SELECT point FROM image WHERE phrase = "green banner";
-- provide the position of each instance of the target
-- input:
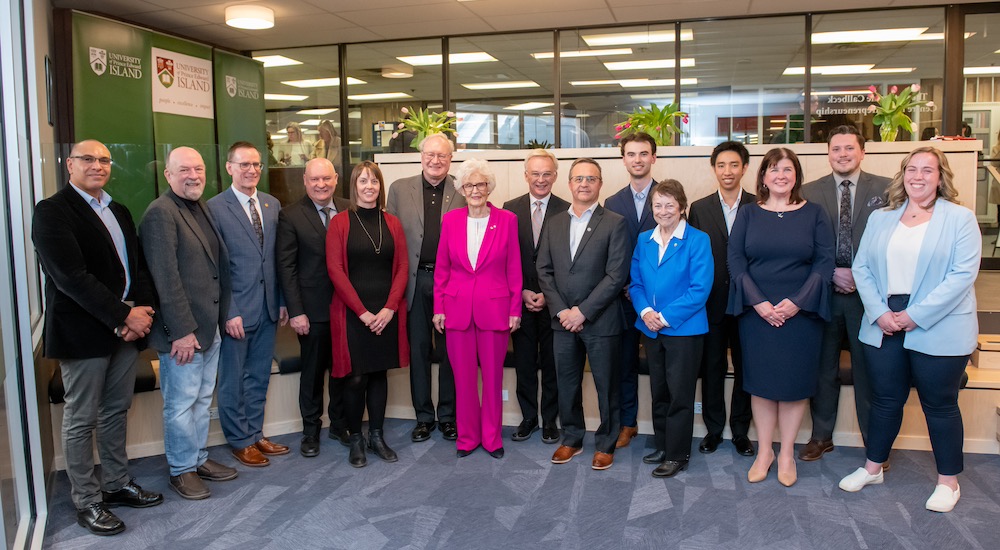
(239, 107)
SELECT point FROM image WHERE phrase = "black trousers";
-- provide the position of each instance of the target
(533, 353)
(673, 377)
(722, 337)
(572, 350)
(316, 357)
(846, 311)
(422, 338)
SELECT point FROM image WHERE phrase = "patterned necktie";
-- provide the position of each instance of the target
(326, 215)
(255, 220)
(844, 230)
(536, 221)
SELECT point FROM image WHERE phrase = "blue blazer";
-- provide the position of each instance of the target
(676, 286)
(943, 300)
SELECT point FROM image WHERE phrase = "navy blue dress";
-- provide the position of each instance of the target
(773, 257)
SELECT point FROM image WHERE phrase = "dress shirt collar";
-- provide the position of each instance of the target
(677, 234)
(586, 213)
(320, 207)
(104, 201)
(853, 178)
(243, 197)
(545, 201)
(644, 192)
(739, 200)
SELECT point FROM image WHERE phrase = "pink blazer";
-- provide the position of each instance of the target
(488, 295)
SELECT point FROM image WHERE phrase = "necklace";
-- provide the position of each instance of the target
(377, 247)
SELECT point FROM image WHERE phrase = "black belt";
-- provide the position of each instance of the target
(426, 267)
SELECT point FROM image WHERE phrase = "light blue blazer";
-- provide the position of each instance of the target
(676, 286)
(943, 300)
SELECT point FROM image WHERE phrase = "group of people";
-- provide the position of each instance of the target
(430, 271)
(297, 151)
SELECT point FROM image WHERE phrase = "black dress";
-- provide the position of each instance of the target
(371, 275)
(773, 257)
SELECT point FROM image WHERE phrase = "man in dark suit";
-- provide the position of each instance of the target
(190, 268)
(301, 256)
(533, 342)
(420, 202)
(715, 215)
(247, 220)
(583, 262)
(97, 294)
(848, 213)
(633, 203)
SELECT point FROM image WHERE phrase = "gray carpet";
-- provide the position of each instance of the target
(432, 499)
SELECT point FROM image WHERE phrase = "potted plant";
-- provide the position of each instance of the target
(890, 109)
(423, 123)
(657, 122)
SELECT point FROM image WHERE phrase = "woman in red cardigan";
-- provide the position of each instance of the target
(366, 259)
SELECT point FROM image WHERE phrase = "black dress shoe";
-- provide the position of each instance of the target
(550, 434)
(497, 453)
(376, 444)
(669, 468)
(422, 432)
(310, 446)
(133, 496)
(449, 431)
(462, 453)
(524, 430)
(99, 520)
(655, 457)
(357, 456)
(341, 435)
(709, 444)
(743, 445)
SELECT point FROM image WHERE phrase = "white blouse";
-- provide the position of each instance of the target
(901, 257)
(475, 232)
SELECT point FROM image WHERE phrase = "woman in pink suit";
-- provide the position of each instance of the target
(477, 299)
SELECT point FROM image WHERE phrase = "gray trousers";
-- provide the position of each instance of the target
(98, 396)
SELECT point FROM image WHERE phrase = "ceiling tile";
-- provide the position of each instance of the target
(441, 15)
(571, 18)
(118, 7)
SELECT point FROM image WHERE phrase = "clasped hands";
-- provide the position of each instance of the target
(776, 315)
(137, 324)
(894, 321)
(572, 319)
(377, 322)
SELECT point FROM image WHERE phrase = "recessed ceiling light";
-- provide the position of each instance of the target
(276, 61)
(832, 70)
(583, 53)
(501, 85)
(285, 97)
(635, 82)
(372, 97)
(982, 70)
(317, 112)
(252, 17)
(529, 106)
(453, 59)
(648, 64)
(650, 37)
(397, 71)
(321, 82)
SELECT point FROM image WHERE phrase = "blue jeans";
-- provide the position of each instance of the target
(187, 393)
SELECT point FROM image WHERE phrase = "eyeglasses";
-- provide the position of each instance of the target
(91, 159)
(588, 179)
(542, 175)
(481, 186)
(438, 156)
(247, 165)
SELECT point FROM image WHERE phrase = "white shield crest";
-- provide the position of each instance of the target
(98, 60)
(231, 85)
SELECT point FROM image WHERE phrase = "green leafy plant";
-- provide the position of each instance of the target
(535, 144)
(890, 109)
(424, 123)
(657, 122)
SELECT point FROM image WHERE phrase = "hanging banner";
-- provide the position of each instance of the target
(183, 84)
(239, 106)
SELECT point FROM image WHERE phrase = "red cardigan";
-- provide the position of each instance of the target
(345, 297)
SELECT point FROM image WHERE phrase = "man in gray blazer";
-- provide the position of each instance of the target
(848, 213)
(583, 263)
(419, 202)
(190, 269)
(247, 220)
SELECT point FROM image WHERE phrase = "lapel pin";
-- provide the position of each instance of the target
(493, 227)
(588, 230)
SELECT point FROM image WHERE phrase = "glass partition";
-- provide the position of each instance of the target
(981, 115)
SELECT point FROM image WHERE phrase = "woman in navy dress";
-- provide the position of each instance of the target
(781, 263)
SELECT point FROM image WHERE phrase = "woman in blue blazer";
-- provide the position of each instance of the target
(915, 270)
(672, 273)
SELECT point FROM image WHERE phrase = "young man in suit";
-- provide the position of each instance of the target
(633, 203)
(848, 213)
(247, 220)
(301, 256)
(420, 202)
(715, 215)
(533, 342)
(97, 296)
(583, 263)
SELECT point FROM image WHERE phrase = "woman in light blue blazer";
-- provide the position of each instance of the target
(915, 270)
(672, 273)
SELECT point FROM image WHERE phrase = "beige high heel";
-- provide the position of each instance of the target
(788, 478)
(756, 475)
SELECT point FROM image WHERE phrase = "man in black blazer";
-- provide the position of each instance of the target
(715, 215)
(533, 342)
(98, 297)
(846, 150)
(301, 256)
(583, 263)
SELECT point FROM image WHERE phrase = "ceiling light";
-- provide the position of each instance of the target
(285, 97)
(871, 35)
(309, 122)
(842, 92)
(276, 61)
(531, 105)
(648, 64)
(397, 71)
(453, 59)
(635, 82)
(649, 37)
(831, 70)
(939, 36)
(501, 85)
(982, 70)
(251, 17)
(317, 112)
(582, 115)
(321, 82)
(371, 97)
(583, 53)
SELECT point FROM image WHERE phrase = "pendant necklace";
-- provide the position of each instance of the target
(377, 247)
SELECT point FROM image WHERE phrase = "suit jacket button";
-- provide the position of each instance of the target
(215, 301)
(262, 281)
(215, 277)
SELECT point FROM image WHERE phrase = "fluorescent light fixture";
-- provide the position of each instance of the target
(648, 64)
(453, 59)
(309, 122)
(316, 112)
(252, 17)
(372, 97)
(840, 92)
(582, 115)
(501, 85)
(635, 82)
(285, 97)
(529, 106)
(649, 37)
(871, 35)
(583, 53)
(831, 70)
(982, 70)
(356, 114)
(276, 61)
(321, 82)
(940, 36)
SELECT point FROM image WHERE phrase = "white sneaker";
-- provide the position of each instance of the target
(856, 480)
(943, 499)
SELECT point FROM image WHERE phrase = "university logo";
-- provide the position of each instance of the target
(98, 60)
(165, 71)
(231, 85)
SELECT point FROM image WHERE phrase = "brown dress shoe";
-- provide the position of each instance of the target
(213, 471)
(814, 449)
(188, 485)
(271, 448)
(564, 454)
(250, 456)
(602, 461)
(626, 435)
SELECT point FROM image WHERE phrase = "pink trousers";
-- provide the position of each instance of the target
(479, 421)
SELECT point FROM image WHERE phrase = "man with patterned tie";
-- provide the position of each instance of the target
(849, 196)
(247, 220)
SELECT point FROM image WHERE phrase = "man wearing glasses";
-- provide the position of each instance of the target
(97, 294)
(533, 342)
(419, 202)
(247, 220)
